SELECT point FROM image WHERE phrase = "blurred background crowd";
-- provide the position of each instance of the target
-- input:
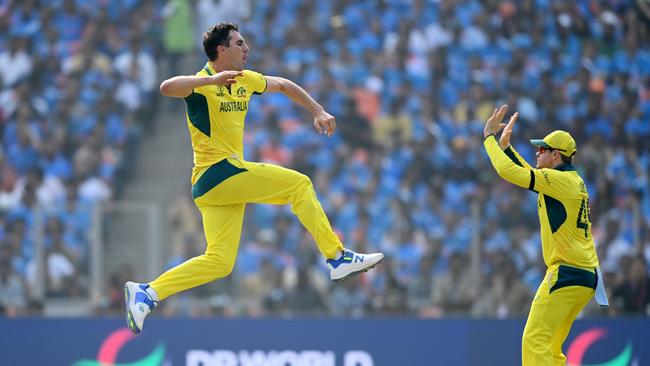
(411, 84)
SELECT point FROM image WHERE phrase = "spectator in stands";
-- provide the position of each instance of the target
(632, 296)
(116, 294)
(354, 124)
(455, 291)
(419, 289)
(13, 292)
(15, 61)
(503, 293)
(304, 298)
(349, 300)
(61, 276)
(178, 36)
(613, 245)
(394, 123)
(392, 297)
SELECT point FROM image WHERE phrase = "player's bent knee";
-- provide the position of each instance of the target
(219, 273)
(535, 342)
(304, 181)
(220, 267)
(228, 268)
(302, 186)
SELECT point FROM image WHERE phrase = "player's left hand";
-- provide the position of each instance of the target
(504, 141)
(324, 123)
(493, 124)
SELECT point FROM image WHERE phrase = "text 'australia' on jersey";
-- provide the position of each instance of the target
(216, 114)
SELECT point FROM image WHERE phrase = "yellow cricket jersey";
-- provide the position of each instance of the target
(215, 118)
(562, 205)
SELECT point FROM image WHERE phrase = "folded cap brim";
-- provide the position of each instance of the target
(540, 143)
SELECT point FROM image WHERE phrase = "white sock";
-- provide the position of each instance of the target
(153, 294)
(339, 254)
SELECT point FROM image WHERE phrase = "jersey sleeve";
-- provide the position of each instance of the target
(511, 167)
(200, 89)
(198, 92)
(256, 81)
(552, 183)
(507, 165)
(516, 158)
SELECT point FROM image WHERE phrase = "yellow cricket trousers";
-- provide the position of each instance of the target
(559, 299)
(221, 193)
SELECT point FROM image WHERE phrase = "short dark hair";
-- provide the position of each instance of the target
(218, 35)
(566, 159)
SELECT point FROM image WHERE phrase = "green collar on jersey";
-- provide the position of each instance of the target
(207, 68)
(565, 167)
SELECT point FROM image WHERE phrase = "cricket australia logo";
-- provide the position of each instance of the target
(241, 92)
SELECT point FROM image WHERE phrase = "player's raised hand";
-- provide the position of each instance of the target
(493, 124)
(225, 77)
(324, 122)
(504, 141)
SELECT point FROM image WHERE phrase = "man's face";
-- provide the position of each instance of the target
(237, 51)
(546, 157)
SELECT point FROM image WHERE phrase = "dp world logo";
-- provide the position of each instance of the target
(111, 346)
(585, 340)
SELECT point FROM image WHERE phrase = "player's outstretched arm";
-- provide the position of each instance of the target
(506, 167)
(323, 121)
(493, 124)
(182, 86)
(504, 143)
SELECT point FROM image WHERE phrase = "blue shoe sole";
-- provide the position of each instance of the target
(129, 317)
(357, 272)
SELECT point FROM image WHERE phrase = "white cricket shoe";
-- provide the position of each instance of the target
(138, 305)
(352, 263)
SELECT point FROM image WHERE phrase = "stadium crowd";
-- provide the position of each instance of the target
(411, 84)
(77, 87)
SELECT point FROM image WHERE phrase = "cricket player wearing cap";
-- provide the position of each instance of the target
(573, 276)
